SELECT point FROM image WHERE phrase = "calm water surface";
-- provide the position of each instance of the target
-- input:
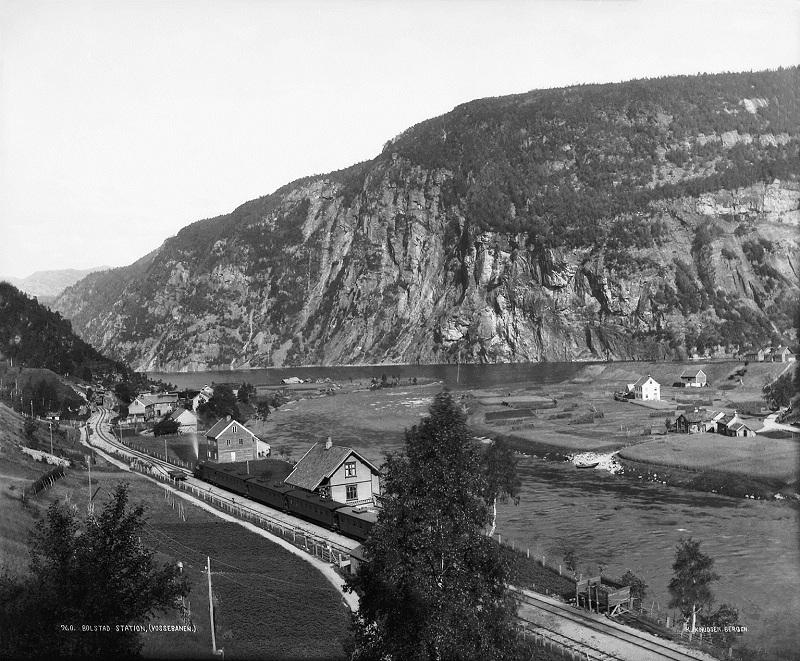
(472, 376)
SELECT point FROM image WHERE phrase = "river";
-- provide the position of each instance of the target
(629, 524)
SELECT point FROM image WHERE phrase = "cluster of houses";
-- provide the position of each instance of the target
(778, 354)
(149, 407)
(727, 424)
(699, 420)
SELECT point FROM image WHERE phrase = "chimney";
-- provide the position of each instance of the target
(227, 418)
(328, 443)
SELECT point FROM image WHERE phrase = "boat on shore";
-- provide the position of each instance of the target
(585, 463)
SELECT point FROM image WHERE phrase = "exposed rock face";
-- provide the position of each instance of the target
(387, 262)
(399, 283)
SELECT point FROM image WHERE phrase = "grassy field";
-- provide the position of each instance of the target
(753, 456)
(371, 421)
(587, 418)
(264, 594)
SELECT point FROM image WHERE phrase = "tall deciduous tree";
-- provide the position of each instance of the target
(95, 572)
(435, 586)
(690, 587)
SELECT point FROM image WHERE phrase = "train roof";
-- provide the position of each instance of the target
(270, 482)
(370, 514)
(314, 499)
(271, 469)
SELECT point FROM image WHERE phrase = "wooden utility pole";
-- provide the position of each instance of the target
(211, 607)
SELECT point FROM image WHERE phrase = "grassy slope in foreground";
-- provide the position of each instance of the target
(262, 592)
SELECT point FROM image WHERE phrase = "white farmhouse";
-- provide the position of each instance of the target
(647, 388)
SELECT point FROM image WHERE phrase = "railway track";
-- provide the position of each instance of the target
(163, 466)
(642, 642)
(280, 519)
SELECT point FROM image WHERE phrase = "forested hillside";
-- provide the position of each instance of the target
(34, 337)
(645, 219)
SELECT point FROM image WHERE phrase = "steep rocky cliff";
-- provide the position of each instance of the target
(642, 219)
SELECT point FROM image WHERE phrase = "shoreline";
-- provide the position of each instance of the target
(725, 483)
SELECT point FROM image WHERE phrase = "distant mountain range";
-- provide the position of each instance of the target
(646, 219)
(49, 284)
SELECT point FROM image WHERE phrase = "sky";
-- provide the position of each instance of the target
(123, 121)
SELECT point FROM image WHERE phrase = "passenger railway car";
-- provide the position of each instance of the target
(264, 484)
(269, 492)
(356, 522)
(310, 506)
(232, 479)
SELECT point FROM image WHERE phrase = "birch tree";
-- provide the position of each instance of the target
(690, 587)
(435, 586)
(502, 480)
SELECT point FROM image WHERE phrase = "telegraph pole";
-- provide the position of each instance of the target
(211, 607)
(50, 424)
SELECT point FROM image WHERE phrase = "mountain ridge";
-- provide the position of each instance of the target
(642, 219)
(50, 283)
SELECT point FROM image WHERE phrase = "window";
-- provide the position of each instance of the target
(234, 429)
(228, 441)
(352, 492)
(241, 442)
(350, 469)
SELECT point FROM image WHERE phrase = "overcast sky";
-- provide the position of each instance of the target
(123, 121)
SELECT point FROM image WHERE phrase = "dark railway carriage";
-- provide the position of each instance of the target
(232, 479)
(269, 492)
(312, 507)
(356, 522)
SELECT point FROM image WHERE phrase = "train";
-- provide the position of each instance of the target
(267, 487)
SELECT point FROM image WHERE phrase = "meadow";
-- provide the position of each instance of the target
(753, 456)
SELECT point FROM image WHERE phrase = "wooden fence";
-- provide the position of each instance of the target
(315, 545)
(43, 482)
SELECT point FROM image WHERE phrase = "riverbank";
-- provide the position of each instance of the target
(580, 415)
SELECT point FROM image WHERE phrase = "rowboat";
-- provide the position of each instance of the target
(583, 463)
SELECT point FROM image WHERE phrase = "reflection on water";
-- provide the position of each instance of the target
(626, 524)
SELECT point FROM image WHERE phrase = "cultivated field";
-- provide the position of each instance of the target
(752, 456)
(372, 421)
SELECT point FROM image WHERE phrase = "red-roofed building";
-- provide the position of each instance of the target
(336, 472)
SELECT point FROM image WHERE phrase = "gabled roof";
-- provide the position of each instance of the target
(178, 412)
(686, 374)
(644, 379)
(222, 425)
(736, 426)
(320, 463)
(698, 416)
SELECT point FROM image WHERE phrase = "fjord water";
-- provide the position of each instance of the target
(624, 523)
(472, 376)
